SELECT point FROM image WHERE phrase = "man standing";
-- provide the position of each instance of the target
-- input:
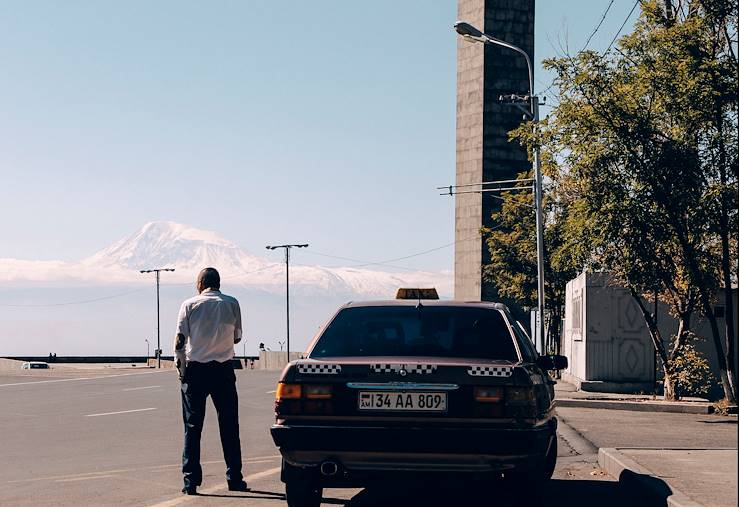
(208, 326)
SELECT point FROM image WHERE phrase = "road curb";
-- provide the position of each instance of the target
(639, 406)
(639, 482)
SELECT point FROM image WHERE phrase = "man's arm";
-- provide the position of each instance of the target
(179, 342)
(183, 331)
(238, 331)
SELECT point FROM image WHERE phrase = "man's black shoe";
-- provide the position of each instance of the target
(238, 486)
(190, 490)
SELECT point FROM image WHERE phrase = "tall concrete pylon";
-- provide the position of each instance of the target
(484, 72)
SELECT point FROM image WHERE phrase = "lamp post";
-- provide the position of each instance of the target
(287, 249)
(159, 346)
(147, 351)
(471, 33)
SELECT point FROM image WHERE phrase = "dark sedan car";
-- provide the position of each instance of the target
(409, 389)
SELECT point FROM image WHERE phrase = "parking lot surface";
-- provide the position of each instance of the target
(114, 437)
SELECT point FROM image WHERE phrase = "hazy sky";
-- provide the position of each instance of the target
(329, 122)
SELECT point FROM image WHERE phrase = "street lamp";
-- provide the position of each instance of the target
(159, 346)
(473, 34)
(287, 285)
(147, 351)
(280, 344)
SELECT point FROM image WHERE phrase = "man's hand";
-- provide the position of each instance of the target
(179, 352)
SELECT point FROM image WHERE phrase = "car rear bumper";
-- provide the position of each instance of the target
(357, 450)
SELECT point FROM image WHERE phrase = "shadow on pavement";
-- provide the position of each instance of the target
(253, 494)
(720, 421)
(570, 493)
(646, 487)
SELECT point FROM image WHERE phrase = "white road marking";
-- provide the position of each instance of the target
(103, 377)
(254, 460)
(122, 412)
(45, 381)
(216, 489)
(271, 392)
(84, 478)
(140, 388)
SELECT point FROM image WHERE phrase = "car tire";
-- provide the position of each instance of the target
(545, 470)
(536, 476)
(301, 493)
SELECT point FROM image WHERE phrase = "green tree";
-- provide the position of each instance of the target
(512, 246)
(645, 141)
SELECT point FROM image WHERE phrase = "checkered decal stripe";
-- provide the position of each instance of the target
(386, 368)
(319, 369)
(490, 371)
(422, 369)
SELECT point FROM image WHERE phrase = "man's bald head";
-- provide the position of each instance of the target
(209, 278)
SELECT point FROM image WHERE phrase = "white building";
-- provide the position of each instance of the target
(607, 342)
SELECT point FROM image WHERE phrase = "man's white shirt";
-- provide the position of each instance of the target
(211, 323)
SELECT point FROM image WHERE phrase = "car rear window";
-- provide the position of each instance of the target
(434, 331)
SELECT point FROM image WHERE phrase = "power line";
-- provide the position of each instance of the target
(363, 263)
(360, 261)
(590, 37)
(622, 26)
(68, 303)
(603, 18)
(385, 262)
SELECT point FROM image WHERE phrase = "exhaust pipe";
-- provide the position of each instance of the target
(329, 468)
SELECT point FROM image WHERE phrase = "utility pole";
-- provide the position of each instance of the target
(287, 285)
(473, 34)
(159, 343)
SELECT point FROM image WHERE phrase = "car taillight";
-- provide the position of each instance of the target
(309, 399)
(288, 391)
(317, 392)
(520, 402)
(488, 394)
(488, 401)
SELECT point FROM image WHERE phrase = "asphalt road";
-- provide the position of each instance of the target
(114, 438)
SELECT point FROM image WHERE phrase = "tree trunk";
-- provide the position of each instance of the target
(728, 377)
(725, 232)
(698, 278)
(671, 393)
(658, 345)
(728, 302)
(555, 327)
(726, 380)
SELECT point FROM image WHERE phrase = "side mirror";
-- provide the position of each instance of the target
(552, 362)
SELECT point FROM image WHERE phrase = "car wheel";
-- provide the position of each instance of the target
(546, 468)
(302, 493)
(535, 479)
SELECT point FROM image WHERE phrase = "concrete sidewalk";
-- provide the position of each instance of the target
(675, 477)
(568, 395)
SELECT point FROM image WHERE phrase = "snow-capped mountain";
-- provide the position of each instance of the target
(102, 305)
(174, 245)
(187, 249)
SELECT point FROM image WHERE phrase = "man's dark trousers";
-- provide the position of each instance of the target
(217, 380)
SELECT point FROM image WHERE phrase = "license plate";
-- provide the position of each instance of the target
(423, 401)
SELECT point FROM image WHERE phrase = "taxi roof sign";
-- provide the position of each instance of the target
(406, 293)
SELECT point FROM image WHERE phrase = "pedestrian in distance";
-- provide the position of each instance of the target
(208, 327)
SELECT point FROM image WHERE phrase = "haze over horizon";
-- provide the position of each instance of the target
(66, 307)
(117, 114)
